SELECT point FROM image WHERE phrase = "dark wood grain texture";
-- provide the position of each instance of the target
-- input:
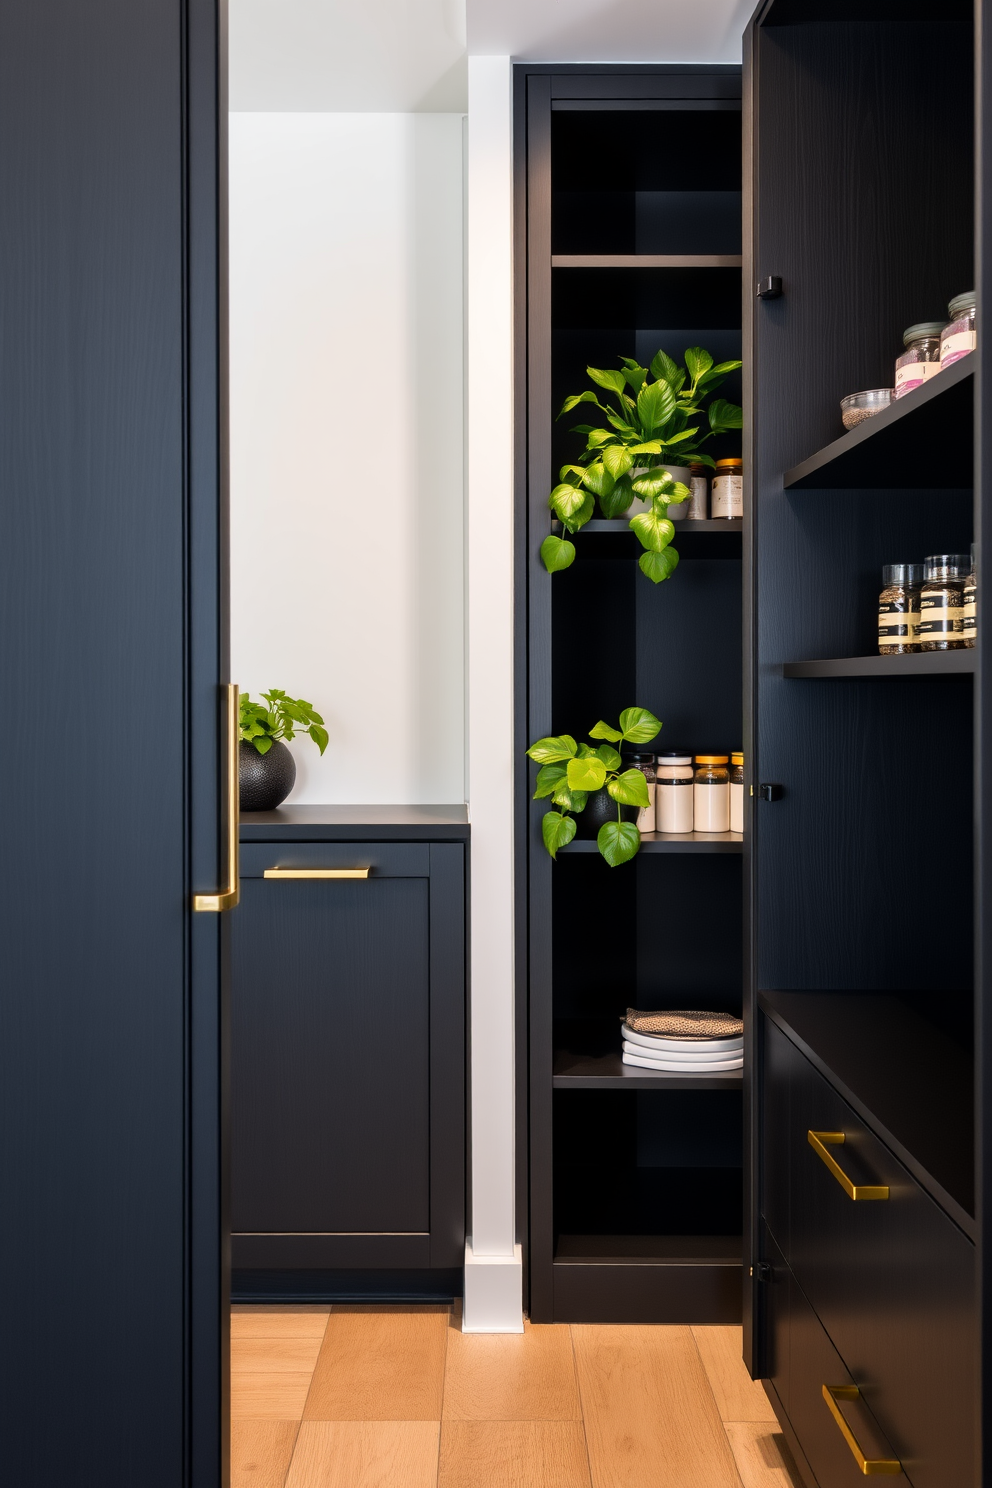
(365, 823)
(916, 664)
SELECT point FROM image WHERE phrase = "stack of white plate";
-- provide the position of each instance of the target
(683, 1056)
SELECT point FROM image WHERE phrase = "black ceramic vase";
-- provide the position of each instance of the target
(264, 780)
(600, 808)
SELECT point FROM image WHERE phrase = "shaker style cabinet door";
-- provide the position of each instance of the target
(337, 1014)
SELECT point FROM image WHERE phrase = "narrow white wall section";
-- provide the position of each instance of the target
(493, 1269)
(347, 451)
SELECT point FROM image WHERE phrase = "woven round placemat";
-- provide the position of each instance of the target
(684, 1023)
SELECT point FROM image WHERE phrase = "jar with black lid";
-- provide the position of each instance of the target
(942, 602)
(899, 608)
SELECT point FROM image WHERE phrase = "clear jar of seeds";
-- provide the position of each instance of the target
(899, 608)
(958, 336)
(942, 602)
(921, 359)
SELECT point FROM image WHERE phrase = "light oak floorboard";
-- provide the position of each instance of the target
(278, 1396)
(513, 1454)
(738, 1396)
(269, 1355)
(651, 1420)
(380, 1364)
(251, 1321)
(528, 1376)
(260, 1453)
(762, 1455)
(365, 1454)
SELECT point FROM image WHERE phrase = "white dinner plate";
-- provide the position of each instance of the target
(683, 1046)
(683, 1069)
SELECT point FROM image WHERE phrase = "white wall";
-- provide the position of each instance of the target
(347, 482)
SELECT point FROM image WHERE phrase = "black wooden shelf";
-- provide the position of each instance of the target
(619, 526)
(916, 664)
(672, 842)
(442, 823)
(608, 1072)
(648, 1250)
(922, 441)
(646, 261)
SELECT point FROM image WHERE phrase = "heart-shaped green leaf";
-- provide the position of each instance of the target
(597, 479)
(586, 774)
(654, 482)
(570, 800)
(653, 531)
(655, 405)
(698, 361)
(618, 842)
(630, 789)
(658, 566)
(609, 756)
(573, 402)
(604, 731)
(549, 777)
(616, 501)
(615, 382)
(617, 460)
(565, 501)
(552, 749)
(557, 830)
(639, 725)
(557, 553)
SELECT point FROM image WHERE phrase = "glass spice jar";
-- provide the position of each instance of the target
(899, 608)
(942, 602)
(711, 793)
(673, 792)
(969, 609)
(737, 791)
(698, 505)
(727, 494)
(644, 763)
(959, 335)
(921, 359)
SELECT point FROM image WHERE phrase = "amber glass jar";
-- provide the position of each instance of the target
(727, 490)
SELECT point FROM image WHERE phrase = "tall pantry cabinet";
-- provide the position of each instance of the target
(866, 972)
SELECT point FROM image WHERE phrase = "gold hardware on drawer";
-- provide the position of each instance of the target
(316, 873)
(872, 1467)
(820, 1141)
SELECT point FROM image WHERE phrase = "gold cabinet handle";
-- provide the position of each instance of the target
(820, 1141)
(316, 873)
(228, 898)
(872, 1467)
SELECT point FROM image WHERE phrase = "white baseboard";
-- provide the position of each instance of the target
(493, 1292)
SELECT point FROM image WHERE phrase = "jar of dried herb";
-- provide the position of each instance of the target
(921, 359)
(942, 602)
(969, 616)
(899, 608)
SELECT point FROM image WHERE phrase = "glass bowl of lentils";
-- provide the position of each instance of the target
(857, 407)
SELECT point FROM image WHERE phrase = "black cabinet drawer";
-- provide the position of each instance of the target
(892, 1279)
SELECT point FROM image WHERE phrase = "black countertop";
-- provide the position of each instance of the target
(356, 823)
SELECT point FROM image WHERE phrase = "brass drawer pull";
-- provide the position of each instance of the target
(820, 1141)
(316, 873)
(872, 1467)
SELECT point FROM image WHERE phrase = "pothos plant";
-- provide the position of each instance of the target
(570, 771)
(650, 425)
(279, 717)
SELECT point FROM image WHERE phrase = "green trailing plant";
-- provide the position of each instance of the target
(279, 717)
(648, 424)
(569, 772)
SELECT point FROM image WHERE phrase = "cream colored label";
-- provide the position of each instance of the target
(736, 807)
(728, 496)
(711, 806)
(673, 806)
(696, 506)
(645, 817)
(956, 346)
(897, 625)
(914, 372)
(968, 616)
(940, 619)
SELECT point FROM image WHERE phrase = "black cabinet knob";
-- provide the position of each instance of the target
(770, 288)
(771, 792)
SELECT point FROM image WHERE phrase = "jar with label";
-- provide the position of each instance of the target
(958, 336)
(969, 610)
(899, 608)
(644, 763)
(737, 791)
(698, 505)
(942, 602)
(727, 497)
(673, 792)
(921, 359)
(711, 793)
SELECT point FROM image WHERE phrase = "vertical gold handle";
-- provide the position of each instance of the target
(228, 898)
(819, 1141)
(871, 1467)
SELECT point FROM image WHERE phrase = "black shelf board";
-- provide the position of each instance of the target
(619, 526)
(646, 261)
(921, 441)
(608, 1072)
(356, 823)
(907, 1080)
(669, 842)
(916, 664)
(649, 1250)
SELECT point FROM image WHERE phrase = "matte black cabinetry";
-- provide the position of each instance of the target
(348, 1062)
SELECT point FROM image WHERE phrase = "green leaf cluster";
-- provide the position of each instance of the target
(647, 425)
(279, 717)
(569, 772)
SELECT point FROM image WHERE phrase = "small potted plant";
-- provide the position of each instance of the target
(633, 458)
(266, 768)
(578, 777)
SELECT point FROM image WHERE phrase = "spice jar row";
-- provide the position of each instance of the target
(686, 793)
(723, 498)
(931, 606)
(930, 346)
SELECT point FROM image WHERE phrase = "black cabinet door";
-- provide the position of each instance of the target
(345, 1028)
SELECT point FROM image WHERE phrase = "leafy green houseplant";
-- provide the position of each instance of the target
(570, 772)
(267, 770)
(649, 425)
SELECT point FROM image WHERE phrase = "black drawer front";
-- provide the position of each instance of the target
(382, 859)
(892, 1280)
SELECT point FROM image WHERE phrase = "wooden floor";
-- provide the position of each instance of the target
(399, 1397)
